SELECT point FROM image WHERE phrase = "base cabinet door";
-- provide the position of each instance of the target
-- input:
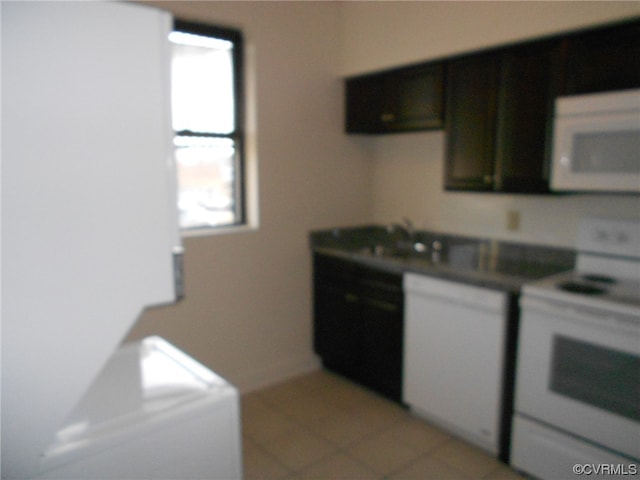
(359, 324)
(382, 339)
(337, 332)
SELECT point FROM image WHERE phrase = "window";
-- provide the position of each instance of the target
(207, 93)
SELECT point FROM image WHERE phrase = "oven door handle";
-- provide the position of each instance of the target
(596, 317)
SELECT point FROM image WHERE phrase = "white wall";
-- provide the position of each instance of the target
(247, 312)
(408, 183)
(381, 34)
(408, 168)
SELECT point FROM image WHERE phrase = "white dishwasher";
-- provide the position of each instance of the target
(453, 356)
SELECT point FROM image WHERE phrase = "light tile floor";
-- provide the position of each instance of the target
(323, 427)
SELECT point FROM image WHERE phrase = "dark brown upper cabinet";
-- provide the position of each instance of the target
(471, 86)
(500, 104)
(402, 100)
(530, 80)
(603, 59)
(499, 107)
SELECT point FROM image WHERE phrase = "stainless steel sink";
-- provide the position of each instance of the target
(398, 250)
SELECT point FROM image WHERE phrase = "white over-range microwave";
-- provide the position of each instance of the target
(596, 144)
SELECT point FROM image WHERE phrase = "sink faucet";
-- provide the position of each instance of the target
(406, 228)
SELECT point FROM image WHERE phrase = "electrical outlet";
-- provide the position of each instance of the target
(513, 220)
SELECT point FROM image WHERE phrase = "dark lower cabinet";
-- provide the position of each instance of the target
(338, 336)
(359, 323)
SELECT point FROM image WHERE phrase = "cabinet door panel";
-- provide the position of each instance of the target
(401, 100)
(529, 82)
(382, 337)
(416, 96)
(364, 104)
(359, 323)
(605, 59)
(470, 122)
(337, 328)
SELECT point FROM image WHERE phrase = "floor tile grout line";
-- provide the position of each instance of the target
(338, 448)
(329, 456)
(408, 464)
(344, 449)
(314, 389)
(259, 446)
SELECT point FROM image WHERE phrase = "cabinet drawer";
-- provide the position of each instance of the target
(371, 278)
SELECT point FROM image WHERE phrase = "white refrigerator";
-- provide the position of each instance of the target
(89, 240)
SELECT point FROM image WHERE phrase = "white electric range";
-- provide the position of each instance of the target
(577, 401)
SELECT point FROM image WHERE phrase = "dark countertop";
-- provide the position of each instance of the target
(477, 261)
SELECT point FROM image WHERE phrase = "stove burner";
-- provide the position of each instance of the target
(599, 278)
(583, 288)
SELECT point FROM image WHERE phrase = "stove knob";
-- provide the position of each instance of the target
(622, 237)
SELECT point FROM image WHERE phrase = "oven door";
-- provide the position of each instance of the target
(579, 371)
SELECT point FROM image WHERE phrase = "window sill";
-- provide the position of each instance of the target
(210, 231)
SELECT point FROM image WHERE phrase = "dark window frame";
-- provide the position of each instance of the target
(238, 134)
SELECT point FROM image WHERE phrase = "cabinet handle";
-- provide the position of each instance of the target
(387, 117)
(351, 297)
(488, 179)
(386, 306)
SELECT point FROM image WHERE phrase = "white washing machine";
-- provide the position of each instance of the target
(90, 239)
(149, 400)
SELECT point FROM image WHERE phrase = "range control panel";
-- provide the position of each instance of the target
(610, 236)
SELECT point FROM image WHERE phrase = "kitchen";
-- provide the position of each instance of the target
(406, 170)
(310, 181)
(247, 313)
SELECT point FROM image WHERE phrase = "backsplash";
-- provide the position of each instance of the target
(408, 182)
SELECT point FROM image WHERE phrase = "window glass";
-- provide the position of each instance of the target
(202, 79)
(208, 141)
(206, 181)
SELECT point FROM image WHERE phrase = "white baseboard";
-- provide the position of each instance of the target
(275, 373)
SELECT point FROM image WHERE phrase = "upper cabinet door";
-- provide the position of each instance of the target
(407, 99)
(472, 84)
(365, 98)
(415, 96)
(604, 59)
(530, 79)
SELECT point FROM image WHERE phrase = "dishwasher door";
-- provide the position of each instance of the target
(454, 356)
